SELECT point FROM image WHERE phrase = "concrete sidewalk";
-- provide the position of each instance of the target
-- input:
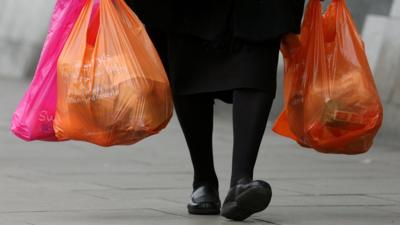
(75, 183)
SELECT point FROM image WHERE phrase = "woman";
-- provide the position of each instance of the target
(227, 50)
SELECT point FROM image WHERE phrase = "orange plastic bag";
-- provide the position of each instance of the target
(112, 86)
(331, 101)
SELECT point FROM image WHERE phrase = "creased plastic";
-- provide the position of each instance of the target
(331, 101)
(33, 118)
(112, 86)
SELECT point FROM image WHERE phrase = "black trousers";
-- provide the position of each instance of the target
(251, 109)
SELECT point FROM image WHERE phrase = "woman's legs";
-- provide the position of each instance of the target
(195, 114)
(251, 108)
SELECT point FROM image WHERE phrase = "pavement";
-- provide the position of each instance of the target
(149, 183)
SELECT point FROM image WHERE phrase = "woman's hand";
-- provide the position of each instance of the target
(289, 44)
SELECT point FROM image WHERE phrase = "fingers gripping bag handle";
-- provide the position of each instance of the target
(112, 87)
(304, 65)
(33, 118)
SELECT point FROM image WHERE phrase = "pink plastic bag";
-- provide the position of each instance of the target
(33, 118)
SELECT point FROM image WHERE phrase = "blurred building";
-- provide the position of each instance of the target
(23, 27)
(382, 37)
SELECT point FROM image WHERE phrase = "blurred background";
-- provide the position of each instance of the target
(22, 36)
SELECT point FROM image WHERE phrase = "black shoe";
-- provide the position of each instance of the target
(246, 198)
(205, 201)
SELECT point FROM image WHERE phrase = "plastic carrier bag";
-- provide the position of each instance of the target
(331, 101)
(112, 86)
(33, 118)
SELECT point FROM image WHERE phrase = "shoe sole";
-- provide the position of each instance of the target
(251, 201)
(204, 209)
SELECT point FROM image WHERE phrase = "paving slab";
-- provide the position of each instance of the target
(76, 183)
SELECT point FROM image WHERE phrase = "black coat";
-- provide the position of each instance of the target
(252, 19)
